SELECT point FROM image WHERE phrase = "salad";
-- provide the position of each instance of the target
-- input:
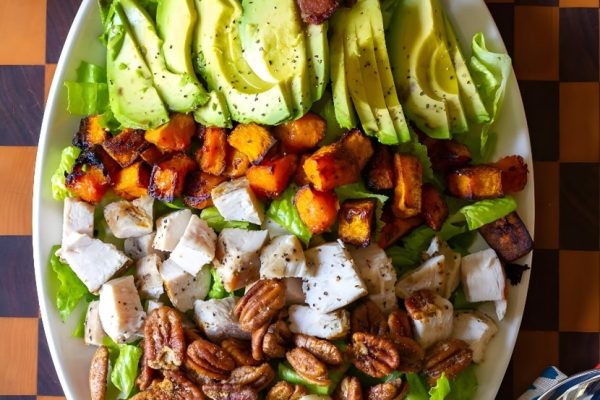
(278, 199)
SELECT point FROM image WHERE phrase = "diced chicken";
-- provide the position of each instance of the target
(336, 282)
(196, 248)
(140, 247)
(452, 261)
(483, 279)
(78, 219)
(237, 257)
(94, 261)
(430, 275)
(293, 291)
(236, 201)
(308, 321)
(274, 228)
(182, 288)
(120, 309)
(93, 332)
(216, 318)
(128, 219)
(283, 258)
(170, 228)
(432, 316)
(475, 328)
(147, 278)
(377, 271)
(153, 305)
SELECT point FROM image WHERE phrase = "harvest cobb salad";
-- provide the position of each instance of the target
(276, 200)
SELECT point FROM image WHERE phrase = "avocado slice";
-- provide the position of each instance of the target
(215, 112)
(274, 45)
(177, 37)
(134, 100)
(317, 51)
(181, 92)
(219, 57)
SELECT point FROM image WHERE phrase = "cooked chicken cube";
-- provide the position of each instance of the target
(293, 291)
(128, 219)
(153, 305)
(308, 321)
(147, 277)
(120, 309)
(170, 228)
(483, 279)
(139, 247)
(196, 248)
(429, 275)
(274, 228)
(216, 318)
(94, 261)
(182, 288)
(432, 317)
(336, 282)
(236, 202)
(92, 328)
(78, 218)
(475, 328)
(386, 301)
(452, 264)
(237, 257)
(283, 258)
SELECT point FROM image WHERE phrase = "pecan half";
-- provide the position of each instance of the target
(349, 389)
(399, 324)
(275, 339)
(191, 335)
(260, 304)
(368, 317)
(174, 386)
(227, 391)
(375, 356)
(240, 351)
(164, 342)
(286, 391)
(308, 366)
(258, 336)
(322, 349)
(146, 375)
(99, 373)
(411, 354)
(447, 357)
(395, 390)
(257, 378)
(206, 359)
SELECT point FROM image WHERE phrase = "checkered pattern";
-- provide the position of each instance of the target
(554, 44)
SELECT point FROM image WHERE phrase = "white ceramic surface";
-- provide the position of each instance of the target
(71, 357)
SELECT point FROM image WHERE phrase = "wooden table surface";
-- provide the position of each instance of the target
(555, 48)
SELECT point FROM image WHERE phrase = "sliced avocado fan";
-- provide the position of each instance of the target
(342, 101)
(317, 51)
(215, 112)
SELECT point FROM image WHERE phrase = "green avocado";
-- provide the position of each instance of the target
(181, 92)
(175, 21)
(134, 100)
(215, 112)
(219, 58)
(317, 51)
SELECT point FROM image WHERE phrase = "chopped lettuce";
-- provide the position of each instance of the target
(441, 389)
(283, 211)
(417, 389)
(69, 290)
(216, 221)
(408, 254)
(79, 330)
(217, 290)
(67, 161)
(89, 93)
(124, 360)
(287, 373)
(463, 387)
(357, 191)
(459, 300)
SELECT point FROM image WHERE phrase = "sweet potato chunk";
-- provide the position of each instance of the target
(318, 210)
(508, 236)
(476, 182)
(109, 165)
(90, 133)
(253, 140)
(317, 11)
(433, 207)
(236, 163)
(198, 185)
(356, 221)
(168, 177)
(152, 155)
(89, 180)
(125, 148)
(446, 155)
(270, 178)
(407, 189)
(514, 173)
(175, 135)
(395, 228)
(380, 173)
(302, 134)
(300, 178)
(358, 146)
(212, 156)
(331, 166)
(132, 182)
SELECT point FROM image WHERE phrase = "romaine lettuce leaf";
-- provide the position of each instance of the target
(464, 386)
(283, 212)
(417, 389)
(408, 254)
(217, 290)
(124, 360)
(87, 95)
(69, 290)
(441, 389)
(57, 181)
(287, 373)
(216, 221)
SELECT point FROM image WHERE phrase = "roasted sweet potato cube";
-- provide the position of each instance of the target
(212, 156)
(433, 207)
(407, 189)
(396, 228)
(318, 210)
(331, 166)
(317, 11)
(90, 133)
(152, 155)
(514, 173)
(88, 182)
(175, 135)
(508, 236)
(109, 165)
(270, 178)
(168, 177)
(356, 219)
(476, 182)
(253, 140)
(300, 178)
(236, 163)
(380, 172)
(358, 146)
(302, 134)
(198, 185)
(132, 182)
(446, 155)
(125, 148)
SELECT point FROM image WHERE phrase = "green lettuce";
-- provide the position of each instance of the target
(287, 373)
(69, 290)
(88, 94)
(459, 300)
(67, 161)
(217, 290)
(124, 360)
(215, 220)
(464, 386)
(357, 191)
(441, 389)
(416, 389)
(408, 254)
(79, 330)
(283, 211)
